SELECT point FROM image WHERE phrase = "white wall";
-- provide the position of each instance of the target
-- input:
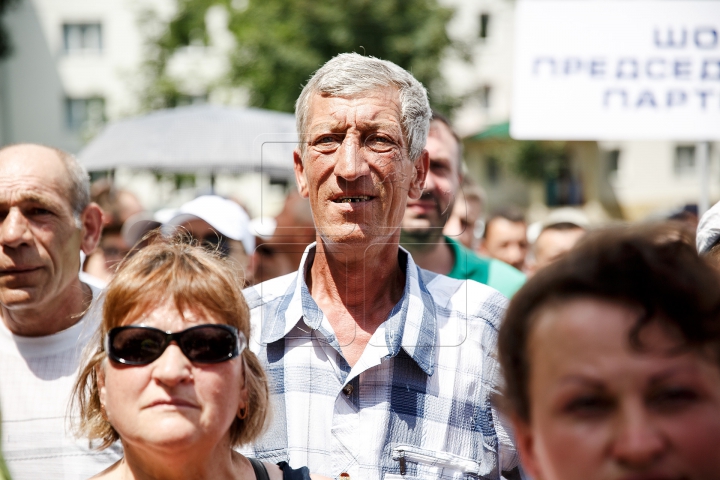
(491, 62)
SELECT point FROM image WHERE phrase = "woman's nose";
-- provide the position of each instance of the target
(639, 442)
(173, 367)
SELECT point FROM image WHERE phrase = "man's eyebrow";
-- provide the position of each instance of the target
(382, 125)
(32, 197)
(326, 127)
(339, 126)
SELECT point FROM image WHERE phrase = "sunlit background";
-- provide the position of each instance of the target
(72, 68)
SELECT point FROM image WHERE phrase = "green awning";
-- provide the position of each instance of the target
(496, 132)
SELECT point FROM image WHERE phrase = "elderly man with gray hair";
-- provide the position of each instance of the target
(378, 369)
(46, 220)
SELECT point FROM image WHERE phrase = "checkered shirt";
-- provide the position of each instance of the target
(416, 405)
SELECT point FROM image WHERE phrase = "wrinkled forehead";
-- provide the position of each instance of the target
(32, 173)
(381, 105)
(33, 162)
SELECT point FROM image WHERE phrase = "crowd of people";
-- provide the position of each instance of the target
(368, 336)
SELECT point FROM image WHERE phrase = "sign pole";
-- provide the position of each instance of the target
(702, 161)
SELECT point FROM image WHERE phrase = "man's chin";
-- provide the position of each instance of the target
(17, 298)
(420, 234)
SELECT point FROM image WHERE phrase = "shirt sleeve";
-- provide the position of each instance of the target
(508, 458)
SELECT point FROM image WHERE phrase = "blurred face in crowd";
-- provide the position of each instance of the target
(172, 402)
(355, 167)
(114, 249)
(506, 241)
(40, 240)
(233, 249)
(600, 409)
(552, 243)
(428, 214)
(463, 221)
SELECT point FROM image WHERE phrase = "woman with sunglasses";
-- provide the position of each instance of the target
(170, 375)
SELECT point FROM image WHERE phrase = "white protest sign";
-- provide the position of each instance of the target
(617, 70)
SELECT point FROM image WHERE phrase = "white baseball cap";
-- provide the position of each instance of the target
(225, 216)
(573, 216)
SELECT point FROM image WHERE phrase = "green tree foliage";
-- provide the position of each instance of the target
(540, 160)
(280, 43)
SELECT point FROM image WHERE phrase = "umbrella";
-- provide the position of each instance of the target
(197, 138)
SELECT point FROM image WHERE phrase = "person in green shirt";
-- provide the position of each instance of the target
(422, 226)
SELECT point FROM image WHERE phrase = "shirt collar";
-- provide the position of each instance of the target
(413, 320)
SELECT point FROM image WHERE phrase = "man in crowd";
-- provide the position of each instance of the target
(466, 222)
(505, 238)
(558, 234)
(281, 253)
(377, 368)
(425, 218)
(46, 220)
(218, 223)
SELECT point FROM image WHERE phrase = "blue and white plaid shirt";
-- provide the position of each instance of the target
(417, 404)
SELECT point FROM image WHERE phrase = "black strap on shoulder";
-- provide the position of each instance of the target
(259, 469)
(293, 474)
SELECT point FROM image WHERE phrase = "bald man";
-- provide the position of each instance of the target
(46, 220)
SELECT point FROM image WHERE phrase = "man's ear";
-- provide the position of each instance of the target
(300, 174)
(525, 443)
(91, 220)
(420, 171)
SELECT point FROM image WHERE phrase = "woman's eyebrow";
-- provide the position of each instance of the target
(670, 372)
(585, 380)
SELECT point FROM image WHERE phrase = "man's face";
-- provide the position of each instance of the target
(552, 244)
(464, 219)
(40, 241)
(427, 215)
(204, 233)
(356, 169)
(506, 241)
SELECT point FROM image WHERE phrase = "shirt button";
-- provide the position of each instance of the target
(347, 390)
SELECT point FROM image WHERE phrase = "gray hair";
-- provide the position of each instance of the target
(79, 183)
(350, 75)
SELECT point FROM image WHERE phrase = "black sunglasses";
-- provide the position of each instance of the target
(138, 345)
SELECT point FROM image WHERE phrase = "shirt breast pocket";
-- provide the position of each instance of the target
(419, 464)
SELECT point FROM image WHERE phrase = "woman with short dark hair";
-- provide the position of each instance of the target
(612, 361)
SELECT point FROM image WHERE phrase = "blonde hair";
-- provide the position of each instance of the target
(194, 279)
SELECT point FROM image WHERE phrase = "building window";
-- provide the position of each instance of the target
(684, 159)
(84, 113)
(485, 94)
(82, 37)
(613, 160)
(484, 23)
